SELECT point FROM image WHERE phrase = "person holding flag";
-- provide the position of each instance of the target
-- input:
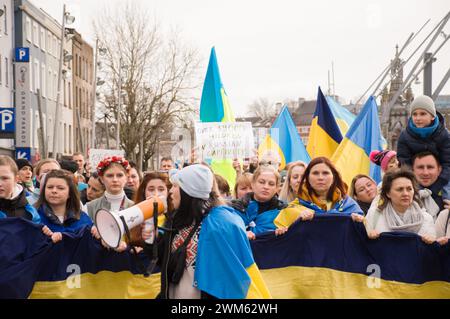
(321, 190)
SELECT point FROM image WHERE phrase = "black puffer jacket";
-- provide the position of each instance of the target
(410, 143)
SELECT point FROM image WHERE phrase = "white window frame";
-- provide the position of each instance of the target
(70, 139)
(55, 81)
(6, 71)
(5, 14)
(43, 80)
(37, 78)
(48, 43)
(30, 68)
(35, 34)
(28, 30)
(42, 37)
(54, 47)
(50, 84)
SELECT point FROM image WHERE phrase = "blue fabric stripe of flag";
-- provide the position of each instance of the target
(288, 139)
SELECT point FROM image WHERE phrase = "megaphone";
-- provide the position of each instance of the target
(111, 226)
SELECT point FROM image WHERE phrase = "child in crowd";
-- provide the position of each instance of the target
(387, 159)
(13, 201)
(426, 132)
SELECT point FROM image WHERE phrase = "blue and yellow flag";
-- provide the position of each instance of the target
(324, 134)
(214, 107)
(352, 156)
(331, 257)
(327, 257)
(283, 139)
(344, 118)
(225, 267)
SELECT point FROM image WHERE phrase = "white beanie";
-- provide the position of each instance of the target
(195, 180)
(424, 103)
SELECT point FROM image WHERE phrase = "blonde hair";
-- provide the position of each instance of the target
(352, 192)
(287, 193)
(244, 179)
(41, 163)
(267, 168)
(8, 161)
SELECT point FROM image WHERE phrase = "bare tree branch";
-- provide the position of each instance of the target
(160, 78)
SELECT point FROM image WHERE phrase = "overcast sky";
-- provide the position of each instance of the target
(283, 49)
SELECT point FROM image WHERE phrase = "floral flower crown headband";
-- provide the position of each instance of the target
(103, 165)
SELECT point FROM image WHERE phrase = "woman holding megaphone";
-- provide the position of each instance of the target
(203, 251)
(153, 184)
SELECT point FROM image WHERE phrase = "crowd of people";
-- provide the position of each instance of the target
(64, 197)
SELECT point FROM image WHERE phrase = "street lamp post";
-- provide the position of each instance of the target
(70, 19)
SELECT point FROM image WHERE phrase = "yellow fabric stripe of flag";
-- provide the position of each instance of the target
(347, 153)
(319, 142)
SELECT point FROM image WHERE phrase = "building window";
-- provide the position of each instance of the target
(54, 47)
(55, 87)
(31, 73)
(43, 81)
(75, 61)
(49, 42)
(36, 75)
(64, 97)
(70, 139)
(6, 72)
(28, 33)
(50, 84)
(42, 33)
(5, 14)
(35, 34)
(65, 138)
(69, 85)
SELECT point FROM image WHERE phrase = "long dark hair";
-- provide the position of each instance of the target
(73, 202)
(193, 209)
(337, 179)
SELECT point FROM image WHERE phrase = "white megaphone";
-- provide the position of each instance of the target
(111, 226)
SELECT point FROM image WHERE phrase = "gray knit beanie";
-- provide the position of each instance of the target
(425, 103)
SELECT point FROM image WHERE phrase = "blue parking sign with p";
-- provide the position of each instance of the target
(22, 54)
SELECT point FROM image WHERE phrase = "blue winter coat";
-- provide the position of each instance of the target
(258, 217)
(437, 141)
(71, 224)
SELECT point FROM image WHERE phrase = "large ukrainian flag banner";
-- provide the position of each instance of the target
(214, 107)
(324, 134)
(284, 140)
(331, 257)
(328, 257)
(352, 156)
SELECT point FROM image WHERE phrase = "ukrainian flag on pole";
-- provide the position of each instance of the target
(214, 107)
(344, 118)
(352, 156)
(284, 140)
(324, 134)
